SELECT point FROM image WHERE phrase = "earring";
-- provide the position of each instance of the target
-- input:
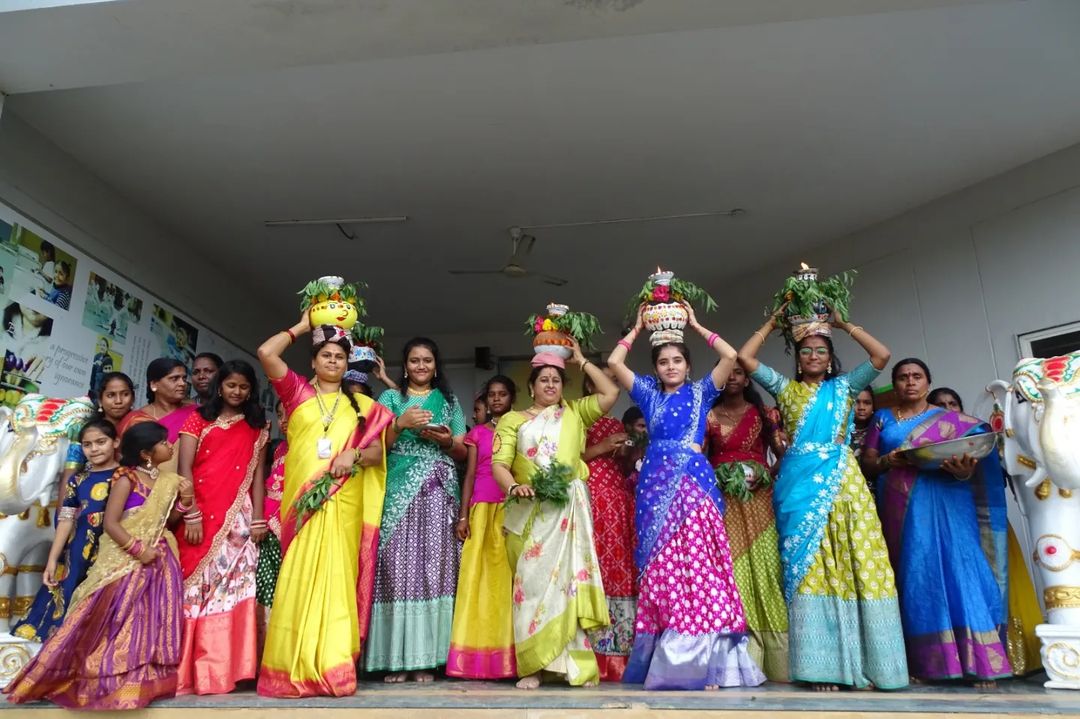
(149, 464)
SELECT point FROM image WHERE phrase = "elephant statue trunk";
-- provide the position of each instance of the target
(13, 464)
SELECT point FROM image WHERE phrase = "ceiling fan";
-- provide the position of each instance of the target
(515, 267)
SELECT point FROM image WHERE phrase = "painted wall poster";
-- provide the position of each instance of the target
(41, 268)
(67, 320)
(109, 308)
(177, 337)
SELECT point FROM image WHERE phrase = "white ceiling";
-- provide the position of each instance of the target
(474, 115)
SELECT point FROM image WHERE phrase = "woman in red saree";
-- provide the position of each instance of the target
(221, 453)
(738, 432)
(166, 392)
(611, 499)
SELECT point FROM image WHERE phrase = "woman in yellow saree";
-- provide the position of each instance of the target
(557, 592)
(335, 479)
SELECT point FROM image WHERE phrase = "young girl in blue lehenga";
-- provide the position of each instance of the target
(78, 529)
(946, 531)
(690, 630)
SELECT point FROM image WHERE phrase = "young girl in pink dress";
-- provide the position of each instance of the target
(482, 637)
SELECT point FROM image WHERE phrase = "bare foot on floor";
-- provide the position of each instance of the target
(530, 682)
(591, 684)
(825, 687)
(396, 678)
(985, 685)
(712, 687)
(423, 677)
(915, 680)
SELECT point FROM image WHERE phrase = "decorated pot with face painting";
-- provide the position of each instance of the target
(329, 301)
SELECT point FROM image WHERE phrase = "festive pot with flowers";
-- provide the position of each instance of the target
(552, 331)
(808, 303)
(330, 301)
(665, 315)
(367, 344)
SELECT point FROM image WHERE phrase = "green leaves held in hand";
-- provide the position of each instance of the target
(732, 481)
(313, 498)
(551, 484)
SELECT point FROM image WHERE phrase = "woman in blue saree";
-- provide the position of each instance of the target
(946, 531)
(844, 620)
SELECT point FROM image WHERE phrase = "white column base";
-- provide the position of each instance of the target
(15, 653)
(1060, 654)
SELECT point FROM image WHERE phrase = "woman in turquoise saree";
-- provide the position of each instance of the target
(843, 612)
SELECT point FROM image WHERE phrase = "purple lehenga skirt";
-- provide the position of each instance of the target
(119, 648)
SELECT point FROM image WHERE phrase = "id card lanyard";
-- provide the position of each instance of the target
(323, 445)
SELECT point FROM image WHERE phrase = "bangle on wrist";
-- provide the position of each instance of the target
(624, 344)
(760, 334)
(292, 336)
(712, 338)
(396, 426)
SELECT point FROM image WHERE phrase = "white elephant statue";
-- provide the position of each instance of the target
(34, 442)
(1042, 455)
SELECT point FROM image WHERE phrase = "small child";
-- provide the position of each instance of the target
(482, 635)
(78, 529)
(119, 646)
(60, 294)
(266, 571)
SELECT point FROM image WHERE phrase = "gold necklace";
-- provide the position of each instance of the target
(734, 420)
(327, 414)
(900, 417)
(419, 392)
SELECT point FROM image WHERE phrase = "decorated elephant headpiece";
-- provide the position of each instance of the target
(52, 417)
(1062, 371)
